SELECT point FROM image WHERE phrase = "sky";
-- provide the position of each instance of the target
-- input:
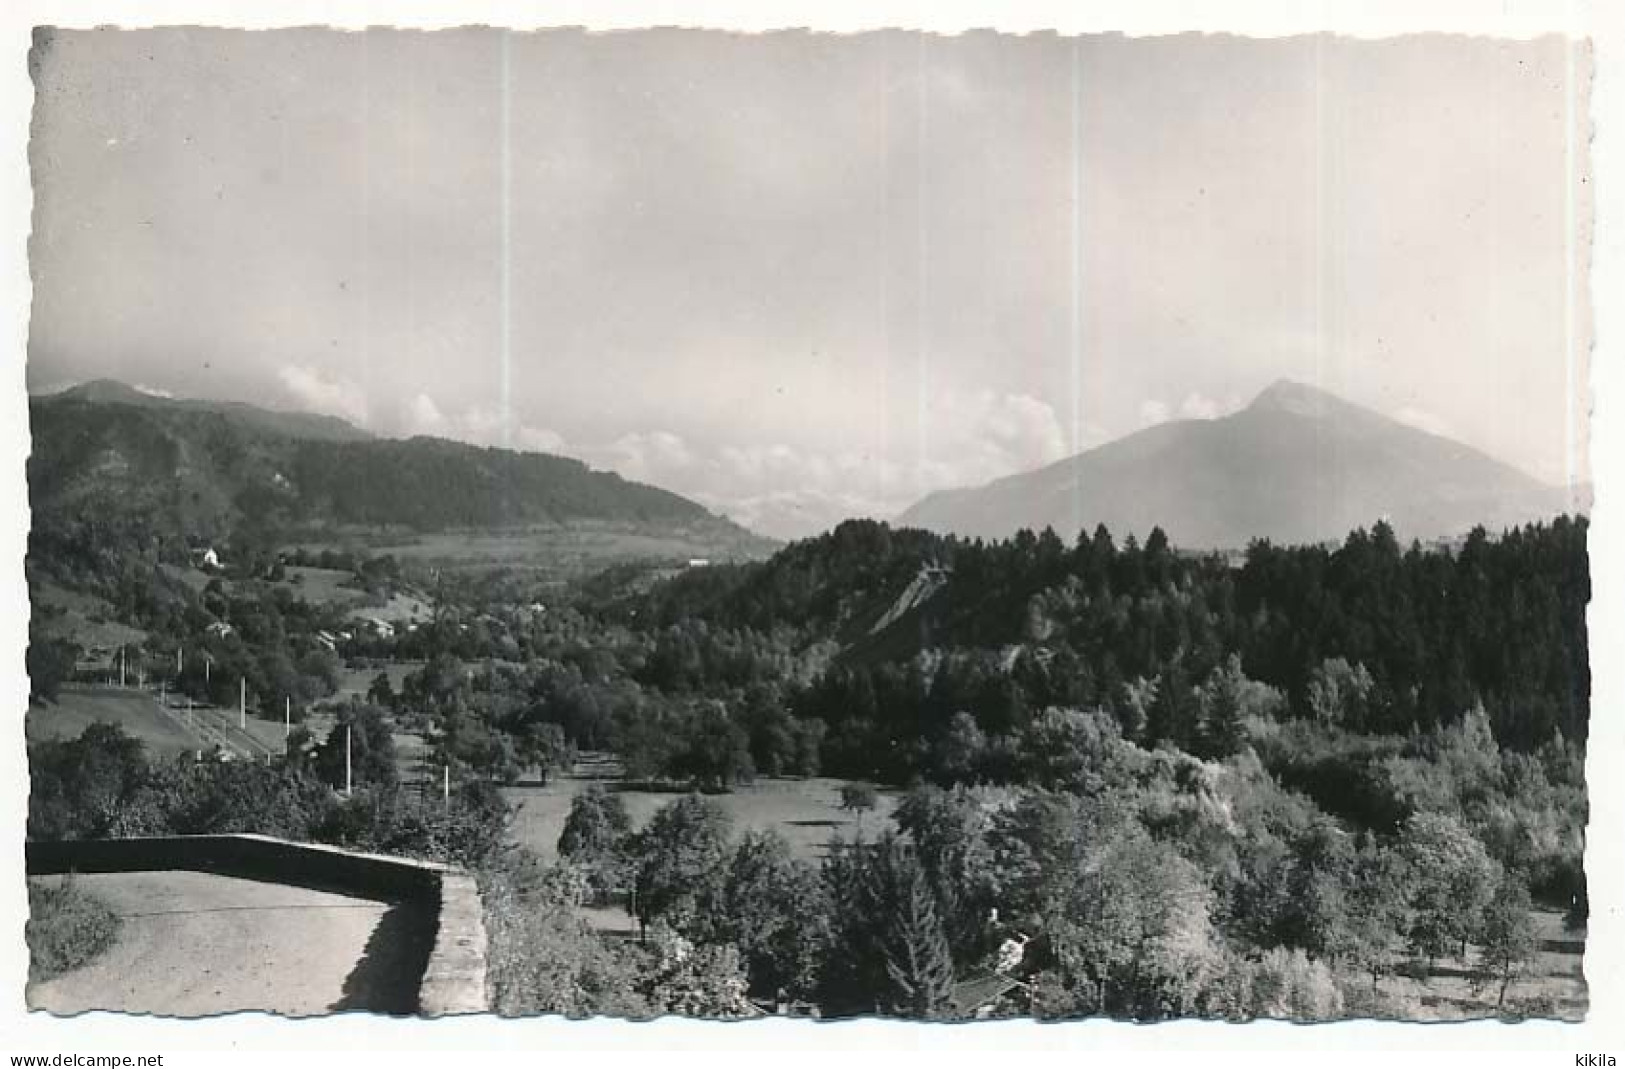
(799, 277)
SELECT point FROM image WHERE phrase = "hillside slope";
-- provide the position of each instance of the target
(292, 424)
(156, 469)
(1298, 465)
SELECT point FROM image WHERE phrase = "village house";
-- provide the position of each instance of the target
(380, 627)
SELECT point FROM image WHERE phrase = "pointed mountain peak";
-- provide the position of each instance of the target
(1300, 399)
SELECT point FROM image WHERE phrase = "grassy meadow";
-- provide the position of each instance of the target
(806, 812)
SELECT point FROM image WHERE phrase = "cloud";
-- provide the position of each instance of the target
(789, 491)
(1199, 406)
(317, 393)
(773, 488)
(423, 416)
(539, 440)
(973, 438)
(1022, 432)
(658, 457)
(477, 426)
(779, 488)
(153, 391)
(1153, 412)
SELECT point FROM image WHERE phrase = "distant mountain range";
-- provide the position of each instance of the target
(108, 456)
(1298, 465)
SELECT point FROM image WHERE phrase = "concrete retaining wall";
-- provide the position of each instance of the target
(454, 979)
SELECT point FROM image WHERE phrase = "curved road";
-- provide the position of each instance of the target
(192, 944)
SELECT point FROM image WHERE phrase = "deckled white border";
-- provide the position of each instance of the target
(258, 1040)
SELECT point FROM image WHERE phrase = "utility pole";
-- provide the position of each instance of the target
(208, 663)
(445, 787)
(348, 782)
(177, 662)
(121, 667)
(163, 693)
(287, 716)
(242, 704)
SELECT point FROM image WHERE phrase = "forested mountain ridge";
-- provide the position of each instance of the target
(1297, 465)
(140, 473)
(1032, 621)
(293, 424)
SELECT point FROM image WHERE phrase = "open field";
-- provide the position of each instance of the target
(320, 586)
(402, 608)
(1555, 983)
(195, 578)
(263, 735)
(565, 551)
(180, 730)
(85, 619)
(329, 586)
(354, 680)
(135, 711)
(806, 812)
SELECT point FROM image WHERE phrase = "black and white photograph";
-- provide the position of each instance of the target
(738, 525)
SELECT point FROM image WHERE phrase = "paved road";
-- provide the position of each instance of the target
(192, 944)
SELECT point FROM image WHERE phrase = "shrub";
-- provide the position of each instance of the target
(858, 796)
(66, 929)
(543, 958)
(1290, 985)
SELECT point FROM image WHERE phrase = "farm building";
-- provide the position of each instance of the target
(380, 627)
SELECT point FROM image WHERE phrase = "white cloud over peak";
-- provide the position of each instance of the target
(423, 416)
(1199, 406)
(1153, 412)
(477, 426)
(1020, 432)
(973, 438)
(658, 457)
(314, 391)
(539, 440)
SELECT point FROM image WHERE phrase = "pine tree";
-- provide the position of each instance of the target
(918, 960)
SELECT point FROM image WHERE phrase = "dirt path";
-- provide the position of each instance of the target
(192, 944)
